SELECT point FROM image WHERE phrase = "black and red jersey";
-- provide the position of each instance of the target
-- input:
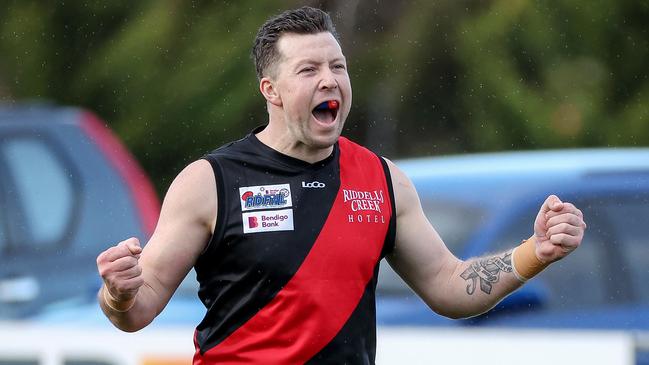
(290, 273)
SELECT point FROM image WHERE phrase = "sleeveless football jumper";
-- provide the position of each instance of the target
(290, 273)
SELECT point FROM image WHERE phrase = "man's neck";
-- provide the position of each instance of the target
(283, 143)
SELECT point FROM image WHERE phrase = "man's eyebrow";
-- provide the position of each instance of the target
(314, 62)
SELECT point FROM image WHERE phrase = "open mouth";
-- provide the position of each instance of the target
(326, 112)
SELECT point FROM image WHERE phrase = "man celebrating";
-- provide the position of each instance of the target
(286, 227)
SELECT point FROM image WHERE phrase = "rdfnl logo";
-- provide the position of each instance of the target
(271, 196)
(267, 220)
(314, 184)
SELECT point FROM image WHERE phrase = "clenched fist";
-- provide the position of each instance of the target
(122, 275)
(558, 229)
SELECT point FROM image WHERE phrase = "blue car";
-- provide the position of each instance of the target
(487, 203)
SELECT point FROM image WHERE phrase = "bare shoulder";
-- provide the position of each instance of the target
(196, 173)
(404, 190)
(399, 178)
(183, 230)
(185, 225)
(192, 194)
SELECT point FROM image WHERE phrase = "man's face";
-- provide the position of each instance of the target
(312, 70)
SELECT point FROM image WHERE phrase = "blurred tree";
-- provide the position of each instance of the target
(174, 78)
(545, 74)
(179, 79)
(409, 88)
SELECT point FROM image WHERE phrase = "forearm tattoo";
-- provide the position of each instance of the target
(487, 272)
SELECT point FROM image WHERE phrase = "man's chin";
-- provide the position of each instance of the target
(322, 142)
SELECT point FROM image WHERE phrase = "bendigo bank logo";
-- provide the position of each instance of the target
(365, 206)
(253, 222)
(267, 221)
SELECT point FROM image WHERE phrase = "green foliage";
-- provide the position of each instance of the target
(555, 74)
(174, 78)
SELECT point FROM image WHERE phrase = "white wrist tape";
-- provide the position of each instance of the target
(109, 300)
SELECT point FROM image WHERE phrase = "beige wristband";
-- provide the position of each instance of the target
(524, 261)
(115, 304)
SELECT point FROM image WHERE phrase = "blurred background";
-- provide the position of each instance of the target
(174, 78)
(102, 103)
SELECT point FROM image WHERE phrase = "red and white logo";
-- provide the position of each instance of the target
(364, 206)
(268, 221)
(253, 222)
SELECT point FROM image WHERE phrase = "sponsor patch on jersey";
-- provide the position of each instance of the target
(364, 200)
(268, 221)
(265, 197)
(313, 184)
(364, 206)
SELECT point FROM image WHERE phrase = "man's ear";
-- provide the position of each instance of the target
(267, 88)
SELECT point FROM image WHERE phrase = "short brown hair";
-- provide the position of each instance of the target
(305, 20)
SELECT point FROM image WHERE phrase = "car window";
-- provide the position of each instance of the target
(579, 280)
(629, 220)
(42, 187)
(454, 221)
(3, 224)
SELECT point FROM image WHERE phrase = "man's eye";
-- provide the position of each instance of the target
(307, 69)
(339, 66)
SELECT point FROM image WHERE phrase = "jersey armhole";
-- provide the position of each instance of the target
(390, 237)
(219, 225)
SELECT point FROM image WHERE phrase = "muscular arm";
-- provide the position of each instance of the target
(186, 222)
(456, 288)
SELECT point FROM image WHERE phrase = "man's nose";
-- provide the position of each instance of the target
(328, 80)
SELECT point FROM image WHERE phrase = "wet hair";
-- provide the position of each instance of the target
(305, 20)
